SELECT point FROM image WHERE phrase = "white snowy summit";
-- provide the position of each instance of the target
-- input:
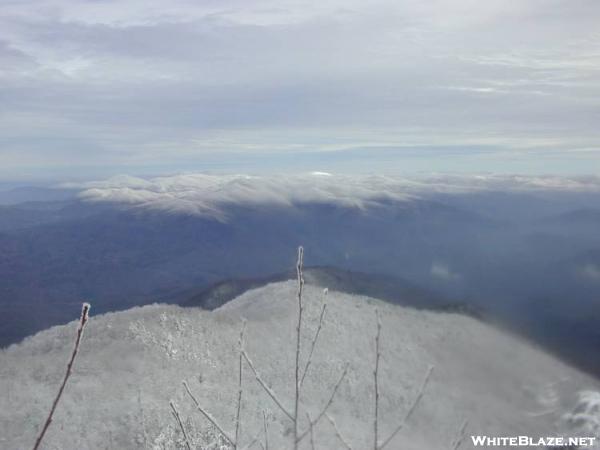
(132, 364)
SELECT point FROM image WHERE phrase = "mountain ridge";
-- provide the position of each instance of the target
(132, 362)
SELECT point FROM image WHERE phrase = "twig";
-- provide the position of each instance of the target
(178, 419)
(267, 389)
(328, 404)
(208, 416)
(376, 384)
(312, 436)
(410, 410)
(266, 446)
(85, 309)
(461, 435)
(300, 277)
(337, 432)
(239, 398)
(142, 418)
(314, 343)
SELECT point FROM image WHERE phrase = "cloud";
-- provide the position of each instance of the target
(208, 195)
(443, 272)
(591, 272)
(149, 82)
(211, 195)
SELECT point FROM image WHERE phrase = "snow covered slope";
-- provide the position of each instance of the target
(132, 363)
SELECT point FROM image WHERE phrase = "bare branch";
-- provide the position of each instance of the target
(266, 446)
(461, 435)
(178, 419)
(410, 410)
(142, 417)
(239, 398)
(313, 344)
(85, 309)
(312, 436)
(328, 404)
(337, 432)
(208, 416)
(300, 277)
(376, 383)
(267, 389)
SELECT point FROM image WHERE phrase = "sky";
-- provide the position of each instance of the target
(93, 88)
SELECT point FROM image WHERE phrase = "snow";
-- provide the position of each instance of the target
(132, 363)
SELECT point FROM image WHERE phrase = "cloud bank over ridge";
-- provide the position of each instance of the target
(210, 195)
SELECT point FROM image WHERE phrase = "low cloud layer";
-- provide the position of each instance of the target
(209, 195)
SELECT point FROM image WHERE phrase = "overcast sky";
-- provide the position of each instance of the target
(146, 86)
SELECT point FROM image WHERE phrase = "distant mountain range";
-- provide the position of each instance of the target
(23, 194)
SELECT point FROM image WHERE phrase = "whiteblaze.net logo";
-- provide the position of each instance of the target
(527, 441)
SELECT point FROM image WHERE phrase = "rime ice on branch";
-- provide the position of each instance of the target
(85, 310)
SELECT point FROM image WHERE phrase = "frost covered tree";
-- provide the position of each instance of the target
(296, 413)
(303, 425)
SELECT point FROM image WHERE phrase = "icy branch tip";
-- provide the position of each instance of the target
(85, 311)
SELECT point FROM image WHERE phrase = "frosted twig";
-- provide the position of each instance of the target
(85, 309)
(412, 408)
(178, 419)
(337, 432)
(542, 413)
(314, 343)
(328, 404)
(142, 418)
(208, 416)
(461, 436)
(299, 266)
(312, 436)
(267, 389)
(239, 398)
(376, 384)
(266, 446)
